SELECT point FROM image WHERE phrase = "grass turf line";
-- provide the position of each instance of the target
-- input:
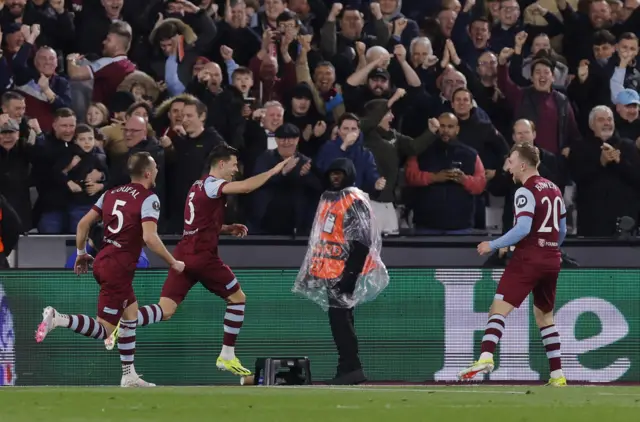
(370, 404)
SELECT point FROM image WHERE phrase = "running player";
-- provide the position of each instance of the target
(130, 214)
(538, 233)
(198, 248)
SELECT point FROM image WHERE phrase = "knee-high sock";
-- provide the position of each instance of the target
(83, 324)
(233, 319)
(149, 314)
(127, 345)
(493, 333)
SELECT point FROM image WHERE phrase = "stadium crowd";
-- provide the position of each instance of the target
(424, 96)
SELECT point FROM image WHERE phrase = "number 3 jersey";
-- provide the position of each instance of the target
(541, 200)
(123, 210)
(203, 216)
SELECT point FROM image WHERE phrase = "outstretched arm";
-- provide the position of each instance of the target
(513, 236)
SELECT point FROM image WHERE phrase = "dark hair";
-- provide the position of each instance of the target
(63, 112)
(242, 70)
(287, 16)
(166, 32)
(83, 128)
(481, 19)
(138, 163)
(136, 105)
(11, 95)
(221, 152)
(628, 36)
(347, 116)
(544, 60)
(603, 37)
(462, 89)
(527, 152)
(325, 63)
(201, 108)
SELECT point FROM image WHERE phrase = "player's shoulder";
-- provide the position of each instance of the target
(213, 186)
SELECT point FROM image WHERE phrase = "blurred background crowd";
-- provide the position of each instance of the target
(426, 97)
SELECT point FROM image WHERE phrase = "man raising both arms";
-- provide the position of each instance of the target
(130, 214)
(203, 223)
(538, 233)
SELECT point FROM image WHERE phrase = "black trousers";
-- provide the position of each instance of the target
(343, 326)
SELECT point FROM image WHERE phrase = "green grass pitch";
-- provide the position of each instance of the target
(321, 404)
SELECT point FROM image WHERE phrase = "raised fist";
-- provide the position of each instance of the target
(430, 61)
(521, 38)
(400, 52)
(505, 55)
(226, 53)
(434, 125)
(361, 48)
(583, 70)
(305, 42)
(375, 10)
(319, 129)
(400, 92)
(335, 10)
(400, 25)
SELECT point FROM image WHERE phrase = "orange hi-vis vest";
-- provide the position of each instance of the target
(330, 254)
(1, 244)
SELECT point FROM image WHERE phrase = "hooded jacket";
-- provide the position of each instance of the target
(356, 218)
(365, 171)
(190, 48)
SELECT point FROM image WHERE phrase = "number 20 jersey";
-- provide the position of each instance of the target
(123, 210)
(541, 200)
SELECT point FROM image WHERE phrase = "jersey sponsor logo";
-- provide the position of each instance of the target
(542, 243)
(521, 201)
(113, 242)
(189, 232)
(156, 205)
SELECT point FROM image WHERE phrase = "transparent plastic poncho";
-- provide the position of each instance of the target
(342, 218)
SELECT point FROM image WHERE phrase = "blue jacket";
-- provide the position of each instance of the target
(366, 169)
(143, 261)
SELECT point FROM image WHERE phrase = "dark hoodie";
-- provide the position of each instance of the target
(365, 165)
(354, 216)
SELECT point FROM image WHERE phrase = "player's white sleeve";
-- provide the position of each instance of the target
(213, 187)
(101, 63)
(524, 203)
(97, 207)
(151, 209)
